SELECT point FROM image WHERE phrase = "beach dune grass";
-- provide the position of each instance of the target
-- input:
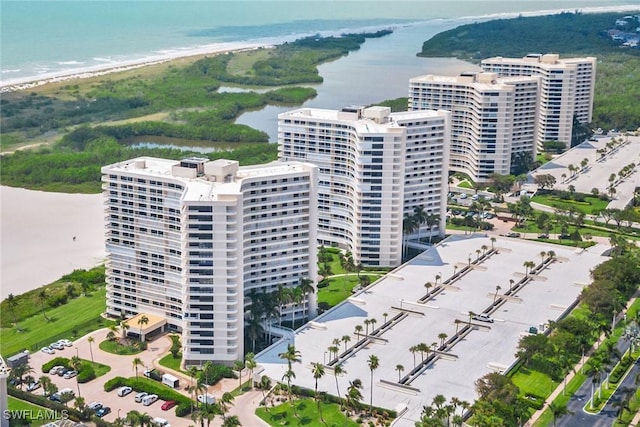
(307, 415)
(72, 320)
(242, 63)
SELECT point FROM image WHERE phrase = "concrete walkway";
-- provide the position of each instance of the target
(572, 374)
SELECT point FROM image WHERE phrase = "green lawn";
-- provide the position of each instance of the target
(21, 405)
(72, 320)
(533, 382)
(114, 347)
(170, 362)
(339, 288)
(307, 411)
(592, 206)
(465, 184)
(99, 368)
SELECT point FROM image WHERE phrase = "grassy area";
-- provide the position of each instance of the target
(565, 242)
(171, 362)
(99, 368)
(465, 184)
(72, 320)
(339, 288)
(572, 386)
(35, 410)
(590, 206)
(533, 382)
(307, 411)
(115, 347)
(242, 63)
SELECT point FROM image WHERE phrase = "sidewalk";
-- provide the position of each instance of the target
(569, 377)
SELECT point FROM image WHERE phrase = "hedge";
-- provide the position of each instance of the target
(57, 361)
(620, 370)
(86, 373)
(36, 399)
(151, 387)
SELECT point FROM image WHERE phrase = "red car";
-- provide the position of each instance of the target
(168, 405)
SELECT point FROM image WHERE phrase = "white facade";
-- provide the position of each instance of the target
(189, 240)
(492, 119)
(375, 167)
(567, 89)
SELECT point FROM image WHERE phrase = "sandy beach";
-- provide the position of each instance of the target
(36, 237)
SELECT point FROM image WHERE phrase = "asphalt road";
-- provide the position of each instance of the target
(606, 417)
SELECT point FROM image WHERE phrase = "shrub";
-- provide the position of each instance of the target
(183, 409)
(86, 374)
(323, 284)
(56, 361)
(114, 383)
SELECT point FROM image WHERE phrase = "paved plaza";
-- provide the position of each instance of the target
(598, 170)
(469, 272)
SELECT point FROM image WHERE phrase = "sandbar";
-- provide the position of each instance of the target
(36, 237)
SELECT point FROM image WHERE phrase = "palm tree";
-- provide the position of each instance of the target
(428, 285)
(358, 331)
(414, 349)
(345, 340)
(76, 363)
(79, 403)
(306, 287)
(373, 322)
(484, 249)
(399, 368)
(511, 282)
(91, 340)
(385, 315)
(353, 392)
(408, 227)
(123, 328)
(12, 303)
(493, 240)
(146, 420)
(366, 325)
(338, 370)
(373, 363)
(543, 254)
(419, 218)
(442, 336)
(238, 366)
(471, 314)
(558, 411)
(232, 421)
(45, 382)
(431, 220)
(225, 401)
(42, 296)
(495, 296)
(318, 373)
(334, 349)
(137, 362)
(251, 364)
(291, 356)
(144, 320)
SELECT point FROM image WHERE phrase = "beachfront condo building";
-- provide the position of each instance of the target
(189, 241)
(374, 169)
(493, 120)
(566, 90)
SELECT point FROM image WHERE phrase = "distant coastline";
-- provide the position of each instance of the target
(108, 67)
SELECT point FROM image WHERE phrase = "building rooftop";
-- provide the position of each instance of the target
(205, 185)
(412, 318)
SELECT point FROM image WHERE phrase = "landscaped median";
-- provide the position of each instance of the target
(88, 369)
(184, 407)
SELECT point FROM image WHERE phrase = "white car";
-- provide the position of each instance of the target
(55, 369)
(65, 342)
(48, 350)
(123, 391)
(56, 345)
(483, 318)
(33, 386)
(140, 396)
(148, 400)
(69, 374)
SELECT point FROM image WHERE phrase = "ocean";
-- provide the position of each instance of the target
(48, 38)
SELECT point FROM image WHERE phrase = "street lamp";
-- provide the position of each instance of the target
(77, 354)
(324, 359)
(469, 259)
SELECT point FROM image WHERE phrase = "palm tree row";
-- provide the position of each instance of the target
(441, 413)
(413, 222)
(266, 306)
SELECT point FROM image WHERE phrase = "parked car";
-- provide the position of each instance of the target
(462, 196)
(543, 236)
(512, 234)
(123, 391)
(168, 405)
(70, 374)
(63, 371)
(150, 399)
(103, 411)
(33, 386)
(140, 396)
(94, 406)
(55, 369)
(56, 345)
(483, 318)
(564, 236)
(48, 350)
(65, 342)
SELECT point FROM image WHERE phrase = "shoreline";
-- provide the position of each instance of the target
(23, 83)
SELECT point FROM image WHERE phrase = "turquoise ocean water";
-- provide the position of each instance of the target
(49, 37)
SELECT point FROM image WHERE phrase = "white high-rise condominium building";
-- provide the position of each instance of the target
(567, 88)
(375, 167)
(188, 241)
(492, 119)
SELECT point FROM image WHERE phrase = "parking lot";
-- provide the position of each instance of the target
(485, 347)
(93, 391)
